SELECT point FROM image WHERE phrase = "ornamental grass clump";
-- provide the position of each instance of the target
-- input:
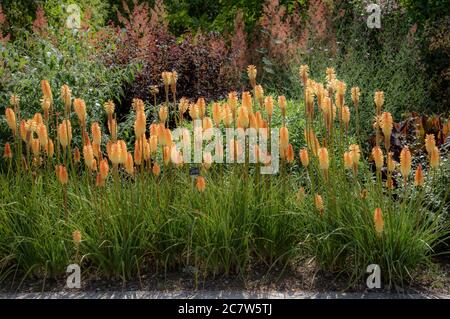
(221, 214)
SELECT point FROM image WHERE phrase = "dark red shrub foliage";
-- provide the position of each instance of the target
(40, 23)
(3, 25)
(280, 33)
(208, 64)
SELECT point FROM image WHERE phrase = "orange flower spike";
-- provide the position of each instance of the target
(284, 138)
(304, 157)
(104, 169)
(76, 237)
(7, 153)
(318, 201)
(377, 155)
(61, 172)
(434, 158)
(430, 143)
(405, 162)
(418, 176)
(323, 158)
(290, 154)
(217, 114)
(156, 170)
(11, 120)
(201, 184)
(378, 221)
(76, 155)
(129, 164)
(96, 133)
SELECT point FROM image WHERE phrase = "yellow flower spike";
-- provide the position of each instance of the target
(109, 107)
(386, 124)
(378, 221)
(66, 97)
(80, 109)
